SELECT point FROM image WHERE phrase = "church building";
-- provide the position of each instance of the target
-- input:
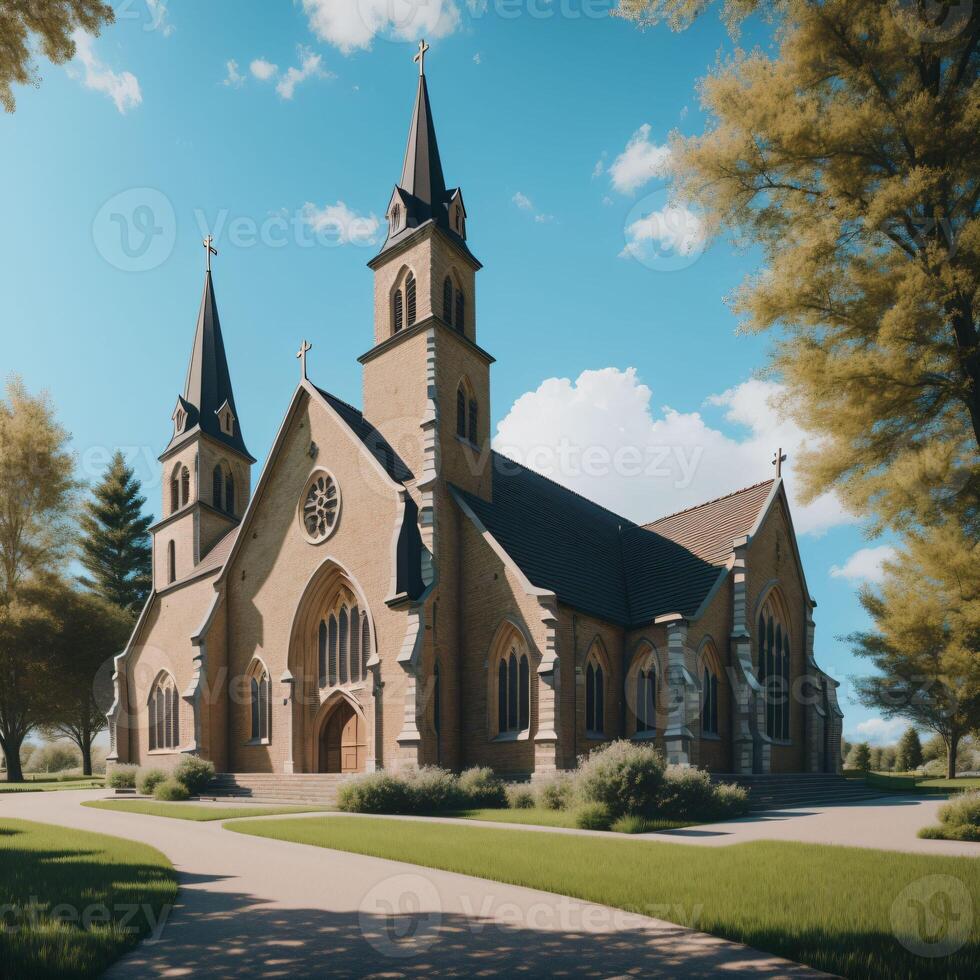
(390, 592)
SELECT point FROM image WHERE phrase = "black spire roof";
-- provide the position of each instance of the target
(422, 189)
(208, 384)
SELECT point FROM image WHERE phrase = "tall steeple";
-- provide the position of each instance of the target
(208, 400)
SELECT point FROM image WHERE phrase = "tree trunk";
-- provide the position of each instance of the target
(954, 744)
(15, 774)
(86, 747)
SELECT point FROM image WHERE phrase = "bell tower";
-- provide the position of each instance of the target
(426, 379)
(206, 466)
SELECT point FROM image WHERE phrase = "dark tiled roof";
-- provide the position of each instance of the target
(218, 555)
(601, 563)
(377, 445)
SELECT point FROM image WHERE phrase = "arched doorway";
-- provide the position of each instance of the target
(343, 740)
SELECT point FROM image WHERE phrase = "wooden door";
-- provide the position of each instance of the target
(342, 744)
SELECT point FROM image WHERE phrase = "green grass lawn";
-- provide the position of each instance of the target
(45, 782)
(192, 811)
(546, 818)
(72, 902)
(825, 906)
(902, 782)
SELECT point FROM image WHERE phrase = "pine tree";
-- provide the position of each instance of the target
(909, 751)
(115, 547)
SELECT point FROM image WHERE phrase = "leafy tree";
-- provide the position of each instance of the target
(876, 758)
(56, 757)
(888, 756)
(860, 757)
(851, 156)
(926, 637)
(115, 547)
(87, 632)
(845, 748)
(909, 751)
(26, 25)
(36, 500)
(934, 748)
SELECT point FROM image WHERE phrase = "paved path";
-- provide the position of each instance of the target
(252, 907)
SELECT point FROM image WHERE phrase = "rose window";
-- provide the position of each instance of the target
(320, 507)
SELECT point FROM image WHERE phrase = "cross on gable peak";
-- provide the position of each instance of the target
(419, 59)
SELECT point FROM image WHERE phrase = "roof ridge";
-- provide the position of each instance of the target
(574, 493)
(330, 394)
(713, 500)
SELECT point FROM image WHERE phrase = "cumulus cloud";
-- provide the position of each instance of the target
(600, 436)
(340, 224)
(122, 87)
(523, 202)
(158, 17)
(234, 78)
(311, 66)
(879, 731)
(350, 25)
(263, 70)
(672, 228)
(865, 565)
(639, 163)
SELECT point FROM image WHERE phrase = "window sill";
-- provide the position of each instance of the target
(644, 736)
(783, 742)
(512, 736)
(710, 737)
(259, 741)
(596, 737)
(163, 751)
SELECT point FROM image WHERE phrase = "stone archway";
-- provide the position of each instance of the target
(341, 743)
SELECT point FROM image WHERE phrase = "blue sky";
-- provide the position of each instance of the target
(280, 129)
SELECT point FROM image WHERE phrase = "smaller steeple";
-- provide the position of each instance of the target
(208, 402)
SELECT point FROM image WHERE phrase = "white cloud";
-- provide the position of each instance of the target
(311, 66)
(234, 78)
(158, 17)
(639, 163)
(599, 436)
(477, 58)
(263, 70)
(349, 25)
(122, 87)
(672, 228)
(599, 168)
(544, 219)
(865, 565)
(879, 731)
(522, 201)
(338, 223)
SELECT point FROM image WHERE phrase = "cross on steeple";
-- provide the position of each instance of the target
(778, 461)
(209, 250)
(301, 354)
(419, 59)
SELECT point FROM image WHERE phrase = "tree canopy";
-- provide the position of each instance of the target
(851, 155)
(47, 25)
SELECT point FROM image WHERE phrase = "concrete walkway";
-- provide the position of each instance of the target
(252, 907)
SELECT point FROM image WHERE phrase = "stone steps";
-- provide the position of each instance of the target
(778, 791)
(312, 788)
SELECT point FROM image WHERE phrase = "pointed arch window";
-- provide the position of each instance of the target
(774, 668)
(447, 300)
(230, 494)
(398, 312)
(260, 697)
(596, 683)
(164, 713)
(513, 691)
(185, 486)
(709, 695)
(461, 412)
(471, 422)
(175, 491)
(171, 561)
(342, 643)
(217, 487)
(436, 700)
(410, 290)
(396, 217)
(460, 310)
(642, 688)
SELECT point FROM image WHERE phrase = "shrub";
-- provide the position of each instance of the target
(632, 823)
(520, 798)
(123, 777)
(687, 794)
(627, 778)
(172, 790)
(731, 800)
(374, 792)
(593, 816)
(55, 757)
(194, 773)
(962, 810)
(481, 788)
(431, 789)
(964, 832)
(557, 793)
(149, 780)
